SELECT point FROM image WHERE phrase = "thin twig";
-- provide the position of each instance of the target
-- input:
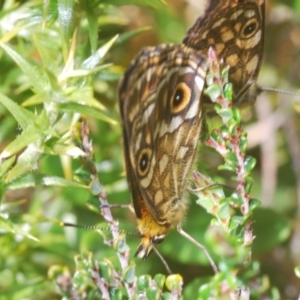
(104, 206)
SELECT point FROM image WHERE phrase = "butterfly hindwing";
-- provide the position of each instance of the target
(235, 29)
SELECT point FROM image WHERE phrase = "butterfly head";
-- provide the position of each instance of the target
(147, 244)
(151, 234)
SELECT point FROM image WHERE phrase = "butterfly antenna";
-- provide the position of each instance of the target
(128, 206)
(268, 89)
(91, 227)
(162, 260)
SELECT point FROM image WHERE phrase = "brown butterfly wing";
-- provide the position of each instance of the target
(160, 104)
(235, 29)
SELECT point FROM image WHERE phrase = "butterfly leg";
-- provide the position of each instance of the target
(191, 239)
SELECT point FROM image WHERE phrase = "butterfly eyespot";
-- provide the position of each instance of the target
(249, 29)
(181, 97)
(144, 161)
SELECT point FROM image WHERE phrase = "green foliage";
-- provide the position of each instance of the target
(60, 62)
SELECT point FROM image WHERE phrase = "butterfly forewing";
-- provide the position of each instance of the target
(235, 29)
(160, 103)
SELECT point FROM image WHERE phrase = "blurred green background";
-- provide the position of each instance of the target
(38, 74)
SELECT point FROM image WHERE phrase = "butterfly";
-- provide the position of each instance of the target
(161, 100)
(160, 105)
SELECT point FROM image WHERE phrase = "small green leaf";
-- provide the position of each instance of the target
(224, 131)
(230, 162)
(166, 296)
(213, 91)
(89, 111)
(160, 280)
(23, 116)
(62, 149)
(275, 293)
(206, 203)
(38, 179)
(249, 163)
(236, 198)
(105, 269)
(96, 57)
(234, 223)
(236, 115)
(9, 226)
(248, 184)
(297, 271)
(58, 270)
(131, 34)
(120, 244)
(204, 291)
(66, 18)
(37, 99)
(201, 181)
(96, 187)
(153, 293)
(232, 127)
(225, 77)
(38, 79)
(28, 136)
(227, 88)
(82, 73)
(243, 143)
(209, 79)
(254, 203)
(174, 282)
(6, 164)
(91, 14)
(150, 3)
(216, 135)
(112, 74)
(224, 211)
(226, 114)
(143, 282)
(27, 162)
